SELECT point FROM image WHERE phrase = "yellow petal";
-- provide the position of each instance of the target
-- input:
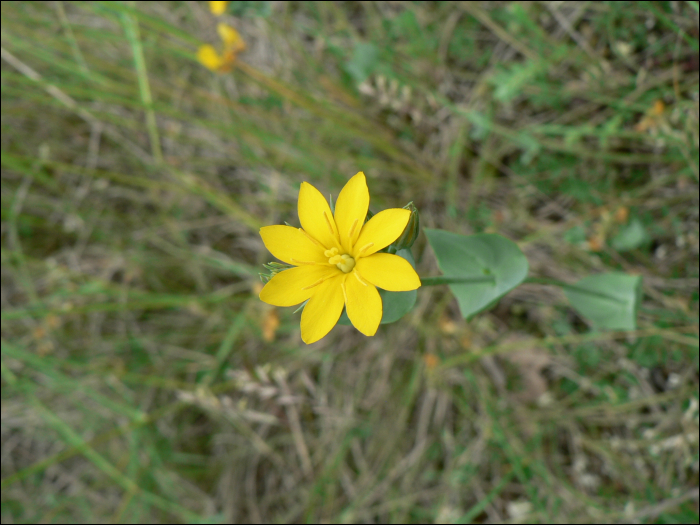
(381, 230)
(323, 310)
(364, 305)
(291, 245)
(231, 38)
(389, 272)
(208, 57)
(287, 288)
(218, 8)
(312, 207)
(351, 210)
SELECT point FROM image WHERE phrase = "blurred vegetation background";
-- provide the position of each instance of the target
(144, 381)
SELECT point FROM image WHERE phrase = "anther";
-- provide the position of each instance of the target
(315, 284)
(345, 294)
(296, 261)
(311, 238)
(328, 222)
(352, 229)
(357, 275)
(365, 247)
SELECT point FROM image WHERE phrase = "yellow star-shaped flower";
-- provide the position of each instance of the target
(233, 44)
(336, 262)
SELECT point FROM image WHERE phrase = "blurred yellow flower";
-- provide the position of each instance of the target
(653, 117)
(233, 44)
(230, 37)
(218, 8)
(335, 260)
(208, 57)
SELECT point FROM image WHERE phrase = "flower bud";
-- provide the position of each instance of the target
(410, 233)
(274, 268)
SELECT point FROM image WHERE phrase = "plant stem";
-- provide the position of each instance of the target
(131, 28)
(442, 279)
(555, 282)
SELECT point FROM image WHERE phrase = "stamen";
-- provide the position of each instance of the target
(345, 294)
(352, 229)
(365, 247)
(296, 261)
(328, 222)
(312, 239)
(331, 253)
(357, 275)
(315, 284)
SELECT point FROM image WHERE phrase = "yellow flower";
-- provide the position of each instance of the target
(218, 8)
(336, 260)
(232, 40)
(233, 44)
(209, 58)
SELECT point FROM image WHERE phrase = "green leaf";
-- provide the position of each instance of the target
(481, 125)
(630, 237)
(531, 146)
(608, 300)
(242, 8)
(576, 235)
(394, 304)
(509, 82)
(365, 58)
(474, 257)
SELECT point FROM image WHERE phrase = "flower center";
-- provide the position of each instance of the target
(342, 261)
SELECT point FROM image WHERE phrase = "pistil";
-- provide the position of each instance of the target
(343, 261)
